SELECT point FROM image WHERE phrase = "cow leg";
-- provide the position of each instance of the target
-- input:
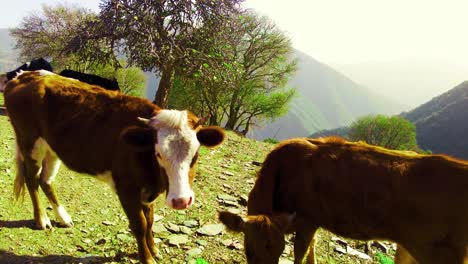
(32, 174)
(304, 240)
(130, 200)
(149, 215)
(402, 256)
(50, 166)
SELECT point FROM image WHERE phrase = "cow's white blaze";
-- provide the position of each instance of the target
(176, 146)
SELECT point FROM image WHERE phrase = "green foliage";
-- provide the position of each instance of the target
(46, 33)
(131, 80)
(238, 75)
(154, 35)
(390, 132)
(384, 259)
(271, 140)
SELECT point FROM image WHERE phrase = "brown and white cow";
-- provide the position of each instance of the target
(138, 148)
(357, 191)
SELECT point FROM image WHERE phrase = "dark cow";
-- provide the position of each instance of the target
(108, 84)
(357, 191)
(138, 148)
(34, 65)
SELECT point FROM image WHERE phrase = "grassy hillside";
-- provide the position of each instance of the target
(325, 99)
(101, 233)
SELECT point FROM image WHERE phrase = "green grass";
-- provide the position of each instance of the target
(101, 234)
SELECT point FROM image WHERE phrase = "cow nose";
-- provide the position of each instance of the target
(182, 203)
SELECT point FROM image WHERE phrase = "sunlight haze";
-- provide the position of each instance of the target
(417, 47)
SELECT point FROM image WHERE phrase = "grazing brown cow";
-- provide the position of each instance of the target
(138, 148)
(357, 191)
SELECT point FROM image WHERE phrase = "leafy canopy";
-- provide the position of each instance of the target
(390, 132)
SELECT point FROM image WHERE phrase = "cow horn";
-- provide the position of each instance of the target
(144, 120)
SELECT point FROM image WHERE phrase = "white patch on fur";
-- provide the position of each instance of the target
(44, 72)
(177, 145)
(50, 167)
(45, 222)
(39, 151)
(64, 218)
(106, 177)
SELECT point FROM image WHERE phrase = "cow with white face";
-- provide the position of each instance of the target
(139, 149)
(176, 150)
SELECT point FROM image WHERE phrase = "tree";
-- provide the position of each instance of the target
(46, 33)
(390, 132)
(239, 73)
(131, 80)
(155, 35)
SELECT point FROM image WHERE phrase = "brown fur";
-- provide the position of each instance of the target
(362, 192)
(93, 131)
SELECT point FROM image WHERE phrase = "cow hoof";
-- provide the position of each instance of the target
(150, 261)
(44, 223)
(156, 254)
(67, 224)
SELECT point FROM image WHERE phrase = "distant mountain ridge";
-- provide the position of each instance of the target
(442, 123)
(326, 99)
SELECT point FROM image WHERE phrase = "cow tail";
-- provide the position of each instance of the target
(20, 175)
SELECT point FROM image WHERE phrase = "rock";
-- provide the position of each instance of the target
(186, 230)
(158, 217)
(381, 246)
(211, 229)
(159, 228)
(191, 223)
(226, 197)
(173, 227)
(351, 251)
(124, 237)
(230, 203)
(340, 250)
(194, 252)
(234, 211)
(339, 241)
(176, 240)
(201, 242)
(228, 173)
(107, 223)
(243, 200)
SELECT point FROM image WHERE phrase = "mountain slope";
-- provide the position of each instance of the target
(442, 123)
(326, 99)
(424, 77)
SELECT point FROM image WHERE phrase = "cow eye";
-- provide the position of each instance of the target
(158, 155)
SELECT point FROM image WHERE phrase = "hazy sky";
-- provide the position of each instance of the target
(350, 31)
(346, 31)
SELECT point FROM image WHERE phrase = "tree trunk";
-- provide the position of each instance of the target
(165, 84)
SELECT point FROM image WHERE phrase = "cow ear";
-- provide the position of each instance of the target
(232, 221)
(138, 138)
(211, 136)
